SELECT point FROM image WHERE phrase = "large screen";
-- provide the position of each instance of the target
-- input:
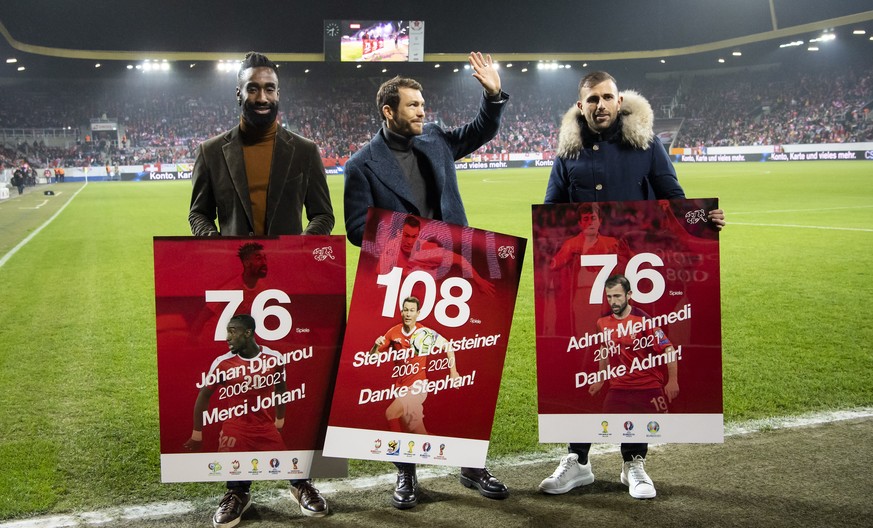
(374, 40)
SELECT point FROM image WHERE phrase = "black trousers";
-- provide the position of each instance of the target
(628, 451)
(243, 486)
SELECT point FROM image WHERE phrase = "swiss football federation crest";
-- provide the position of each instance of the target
(323, 253)
(698, 215)
(506, 252)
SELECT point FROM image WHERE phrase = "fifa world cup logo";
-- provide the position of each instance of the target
(294, 462)
(410, 446)
(254, 464)
(605, 425)
(442, 448)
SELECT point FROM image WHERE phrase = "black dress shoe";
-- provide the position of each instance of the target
(406, 490)
(485, 482)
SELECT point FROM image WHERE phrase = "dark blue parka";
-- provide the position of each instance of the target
(625, 163)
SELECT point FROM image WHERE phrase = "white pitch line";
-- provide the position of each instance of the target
(21, 244)
(732, 213)
(167, 509)
(37, 207)
(826, 228)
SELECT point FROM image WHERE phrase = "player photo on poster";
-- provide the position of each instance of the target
(248, 338)
(424, 347)
(628, 322)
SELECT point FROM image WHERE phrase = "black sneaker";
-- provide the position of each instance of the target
(231, 508)
(312, 504)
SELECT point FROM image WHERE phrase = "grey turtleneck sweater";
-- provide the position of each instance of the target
(417, 172)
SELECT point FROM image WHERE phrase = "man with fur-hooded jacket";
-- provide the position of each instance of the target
(608, 152)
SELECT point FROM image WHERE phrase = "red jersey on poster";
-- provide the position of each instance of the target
(635, 346)
(250, 382)
(298, 306)
(462, 283)
(668, 252)
(400, 343)
(244, 380)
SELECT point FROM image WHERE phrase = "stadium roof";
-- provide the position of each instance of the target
(65, 37)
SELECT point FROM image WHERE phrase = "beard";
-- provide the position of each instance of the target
(260, 120)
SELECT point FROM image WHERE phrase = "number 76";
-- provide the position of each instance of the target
(634, 274)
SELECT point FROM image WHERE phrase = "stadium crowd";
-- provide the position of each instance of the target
(164, 121)
(774, 109)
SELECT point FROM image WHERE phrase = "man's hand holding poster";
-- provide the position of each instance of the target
(424, 347)
(628, 322)
(242, 403)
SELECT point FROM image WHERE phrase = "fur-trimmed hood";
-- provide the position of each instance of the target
(637, 120)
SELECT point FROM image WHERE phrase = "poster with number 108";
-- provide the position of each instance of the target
(425, 342)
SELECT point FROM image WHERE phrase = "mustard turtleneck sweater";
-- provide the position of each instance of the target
(258, 155)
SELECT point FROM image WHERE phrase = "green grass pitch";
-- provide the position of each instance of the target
(78, 388)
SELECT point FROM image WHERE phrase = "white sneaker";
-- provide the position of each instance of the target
(634, 476)
(570, 474)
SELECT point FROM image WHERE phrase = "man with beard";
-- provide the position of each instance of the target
(608, 152)
(409, 166)
(257, 177)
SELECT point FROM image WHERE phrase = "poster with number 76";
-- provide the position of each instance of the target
(248, 339)
(425, 342)
(628, 322)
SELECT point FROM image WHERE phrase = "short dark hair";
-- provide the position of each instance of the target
(594, 78)
(246, 320)
(588, 208)
(248, 249)
(389, 93)
(253, 59)
(414, 300)
(412, 221)
(615, 280)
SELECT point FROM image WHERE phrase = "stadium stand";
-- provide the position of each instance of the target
(162, 121)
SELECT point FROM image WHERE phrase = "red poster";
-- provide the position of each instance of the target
(418, 380)
(628, 322)
(294, 287)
